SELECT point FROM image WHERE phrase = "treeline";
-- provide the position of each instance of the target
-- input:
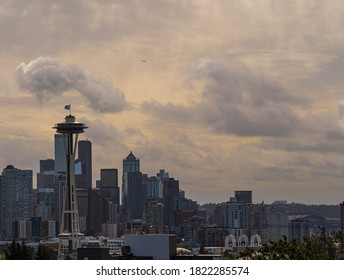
(20, 251)
(321, 247)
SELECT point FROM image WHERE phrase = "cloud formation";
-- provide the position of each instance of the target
(46, 77)
(235, 100)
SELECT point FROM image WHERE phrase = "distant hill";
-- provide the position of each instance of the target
(327, 211)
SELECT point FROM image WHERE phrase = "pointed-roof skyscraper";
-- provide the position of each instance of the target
(132, 189)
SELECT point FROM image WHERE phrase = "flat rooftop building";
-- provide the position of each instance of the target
(156, 246)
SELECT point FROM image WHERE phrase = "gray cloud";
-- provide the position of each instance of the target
(28, 150)
(234, 100)
(45, 77)
(102, 133)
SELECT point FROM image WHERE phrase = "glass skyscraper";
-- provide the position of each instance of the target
(60, 141)
(85, 158)
(133, 194)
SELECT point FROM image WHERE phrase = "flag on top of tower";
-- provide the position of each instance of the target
(67, 107)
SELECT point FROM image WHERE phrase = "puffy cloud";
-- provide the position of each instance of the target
(45, 77)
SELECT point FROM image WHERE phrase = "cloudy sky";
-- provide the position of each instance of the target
(224, 95)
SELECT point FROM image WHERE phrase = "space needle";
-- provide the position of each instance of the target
(69, 235)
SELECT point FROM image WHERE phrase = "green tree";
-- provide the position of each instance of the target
(45, 253)
(313, 248)
(19, 251)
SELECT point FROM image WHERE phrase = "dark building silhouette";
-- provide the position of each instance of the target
(109, 191)
(15, 198)
(97, 212)
(213, 236)
(46, 175)
(170, 199)
(85, 159)
(46, 165)
(108, 184)
(133, 193)
(155, 215)
(243, 196)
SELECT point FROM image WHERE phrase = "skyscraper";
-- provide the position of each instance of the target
(109, 191)
(108, 185)
(46, 165)
(46, 175)
(170, 199)
(243, 196)
(60, 141)
(85, 158)
(15, 198)
(132, 189)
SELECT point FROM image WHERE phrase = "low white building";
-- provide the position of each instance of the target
(115, 245)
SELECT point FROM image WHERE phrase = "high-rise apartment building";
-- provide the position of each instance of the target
(298, 229)
(15, 198)
(234, 213)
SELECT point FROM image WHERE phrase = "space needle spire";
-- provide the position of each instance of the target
(69, 227)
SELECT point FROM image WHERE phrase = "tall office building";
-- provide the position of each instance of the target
(154, 215)
(243, 196)
(97, 212)
(132, 189)
(85, 159)
(16, 198)
(60, 141)
(46, 165)
(45, 204)
(108, 185)
(46, 175)
(109, 191)
(154, 188)
(170, 199)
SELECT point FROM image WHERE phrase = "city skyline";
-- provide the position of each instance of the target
(224, 96)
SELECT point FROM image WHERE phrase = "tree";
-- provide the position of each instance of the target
(313, 248)
(45, 253)
(19, 251)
